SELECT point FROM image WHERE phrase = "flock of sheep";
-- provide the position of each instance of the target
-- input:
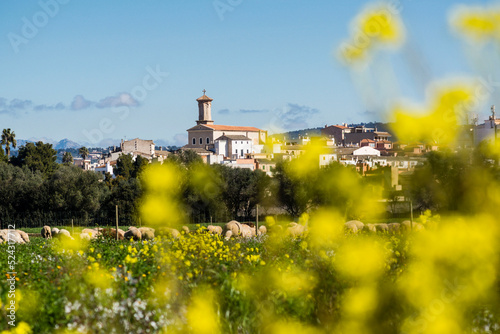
(231, 229)
(145, 233)
(355, 226)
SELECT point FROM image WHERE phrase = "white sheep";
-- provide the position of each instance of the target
(359, 225)
(46, 232)
(350, 227)
(381, 227)
(407, 226)
(12, 236)
(147, 233)
(55, 231)
(214, 229)
(393, 228)
(370, 228)
(133, 232)
(295, 230)
(262, 230)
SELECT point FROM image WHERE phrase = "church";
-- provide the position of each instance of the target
(232, 142)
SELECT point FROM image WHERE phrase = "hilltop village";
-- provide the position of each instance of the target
(364, 148)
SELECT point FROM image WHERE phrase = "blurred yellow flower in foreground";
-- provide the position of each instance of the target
(475, 22)
(377, 25)
(361, 259)
(437, 122)
(201, 314)
(20, 328)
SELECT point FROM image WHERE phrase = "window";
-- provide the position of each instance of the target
(264, 167)
(194, 141)
(241, 152)
(201, 141)
(248, 151)
(208, 140)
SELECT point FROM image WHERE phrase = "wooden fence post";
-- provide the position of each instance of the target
(116, 222)
(257, 219)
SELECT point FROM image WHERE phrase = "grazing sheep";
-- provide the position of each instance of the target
(175, 233)
(111, 233)
(11, 236)
(262, 230)
(350, 227)
(185, 229)
(295, 230)
(407, 226)
(46, 232)
(3, 235)
(382, 227)
(393, 228)
(247, 231)
(359, 225)
(214, 229)
(85, 236)
(55, 232)
(147, 233)
(24, 235)
(370, 228)
(133, 232)
(63, 234)
(93, 234)
(234, 227)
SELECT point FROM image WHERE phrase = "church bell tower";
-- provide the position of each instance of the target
(205, 109)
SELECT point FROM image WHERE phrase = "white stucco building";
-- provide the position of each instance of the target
(233, 146)
(366, 150)
(486, 131)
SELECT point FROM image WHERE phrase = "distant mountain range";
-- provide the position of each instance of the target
(66, 144)
(57, 145)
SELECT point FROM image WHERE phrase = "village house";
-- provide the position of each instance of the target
(354, 136)
(488, 130)
(233, 146)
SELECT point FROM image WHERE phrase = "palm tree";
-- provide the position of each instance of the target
(67, 158)
(84, 152)
(8, 138)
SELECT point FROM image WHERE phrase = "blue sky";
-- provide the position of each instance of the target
(266, 63)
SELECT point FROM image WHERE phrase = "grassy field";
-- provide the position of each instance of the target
(324, 282)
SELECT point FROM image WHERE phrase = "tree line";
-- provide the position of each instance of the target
(34, 186)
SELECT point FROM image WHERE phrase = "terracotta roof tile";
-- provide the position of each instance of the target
(233, 137)
(232, 128)
(204, 98)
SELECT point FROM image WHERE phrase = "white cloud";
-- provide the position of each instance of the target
(119, 100)
(80, 103)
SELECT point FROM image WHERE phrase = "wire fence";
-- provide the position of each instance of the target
(400, 210)
(55, 218)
